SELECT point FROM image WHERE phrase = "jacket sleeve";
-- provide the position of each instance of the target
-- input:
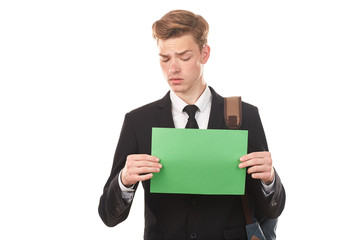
(113, 209)
(273, 204)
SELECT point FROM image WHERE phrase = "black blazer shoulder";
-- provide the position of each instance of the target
(153, 106)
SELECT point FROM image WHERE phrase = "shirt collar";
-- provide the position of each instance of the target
(178, 104)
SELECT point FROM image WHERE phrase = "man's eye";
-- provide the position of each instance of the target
(164, 59)
(186, 59)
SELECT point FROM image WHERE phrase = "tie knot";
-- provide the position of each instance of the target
(191, 110)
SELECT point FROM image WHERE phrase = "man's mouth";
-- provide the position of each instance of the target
(176, 80)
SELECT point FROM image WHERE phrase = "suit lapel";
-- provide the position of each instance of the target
(216, 120)
(164, 115)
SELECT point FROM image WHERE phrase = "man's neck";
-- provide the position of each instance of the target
(192, 96)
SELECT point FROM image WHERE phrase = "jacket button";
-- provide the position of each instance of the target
(193, 236)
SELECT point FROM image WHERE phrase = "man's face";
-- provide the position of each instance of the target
(182, 64)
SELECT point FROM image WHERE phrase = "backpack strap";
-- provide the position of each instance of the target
(232, 112)
(233, 119)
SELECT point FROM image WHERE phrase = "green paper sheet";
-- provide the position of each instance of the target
(199, 161)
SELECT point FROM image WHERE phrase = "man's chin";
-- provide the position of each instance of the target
(177, 88)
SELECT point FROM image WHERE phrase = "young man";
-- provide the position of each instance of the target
(182, 41)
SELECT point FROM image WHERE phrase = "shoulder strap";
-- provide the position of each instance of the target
(233, 119)
(232, 112)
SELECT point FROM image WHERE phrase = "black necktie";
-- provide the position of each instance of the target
(191, 110)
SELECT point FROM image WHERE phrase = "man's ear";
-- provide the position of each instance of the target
(205, 54)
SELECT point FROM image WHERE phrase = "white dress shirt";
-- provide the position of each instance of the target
(202, 115)
(180, 119)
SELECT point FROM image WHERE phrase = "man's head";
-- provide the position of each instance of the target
(182, 40)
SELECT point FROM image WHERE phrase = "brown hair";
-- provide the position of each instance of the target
(177, 23)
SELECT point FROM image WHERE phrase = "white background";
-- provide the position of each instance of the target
(70, 70)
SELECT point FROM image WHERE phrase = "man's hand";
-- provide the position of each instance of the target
(259, 165)
(139, 167)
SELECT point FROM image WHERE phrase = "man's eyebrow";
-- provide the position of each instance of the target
(177, 54)
(162, 55)
(182, 53)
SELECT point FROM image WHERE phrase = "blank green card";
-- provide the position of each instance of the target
(199, 161)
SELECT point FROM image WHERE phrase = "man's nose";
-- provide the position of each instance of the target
(174, 67)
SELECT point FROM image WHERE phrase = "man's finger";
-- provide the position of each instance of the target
(257, 175)
(143, 157)
(146, 170)
(144, 177)
(255, 169)
(248, 157)
(253, 155)
(264, 176)
(139, 164)
(251, 162)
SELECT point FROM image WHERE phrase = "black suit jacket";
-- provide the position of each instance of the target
(183, 216)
